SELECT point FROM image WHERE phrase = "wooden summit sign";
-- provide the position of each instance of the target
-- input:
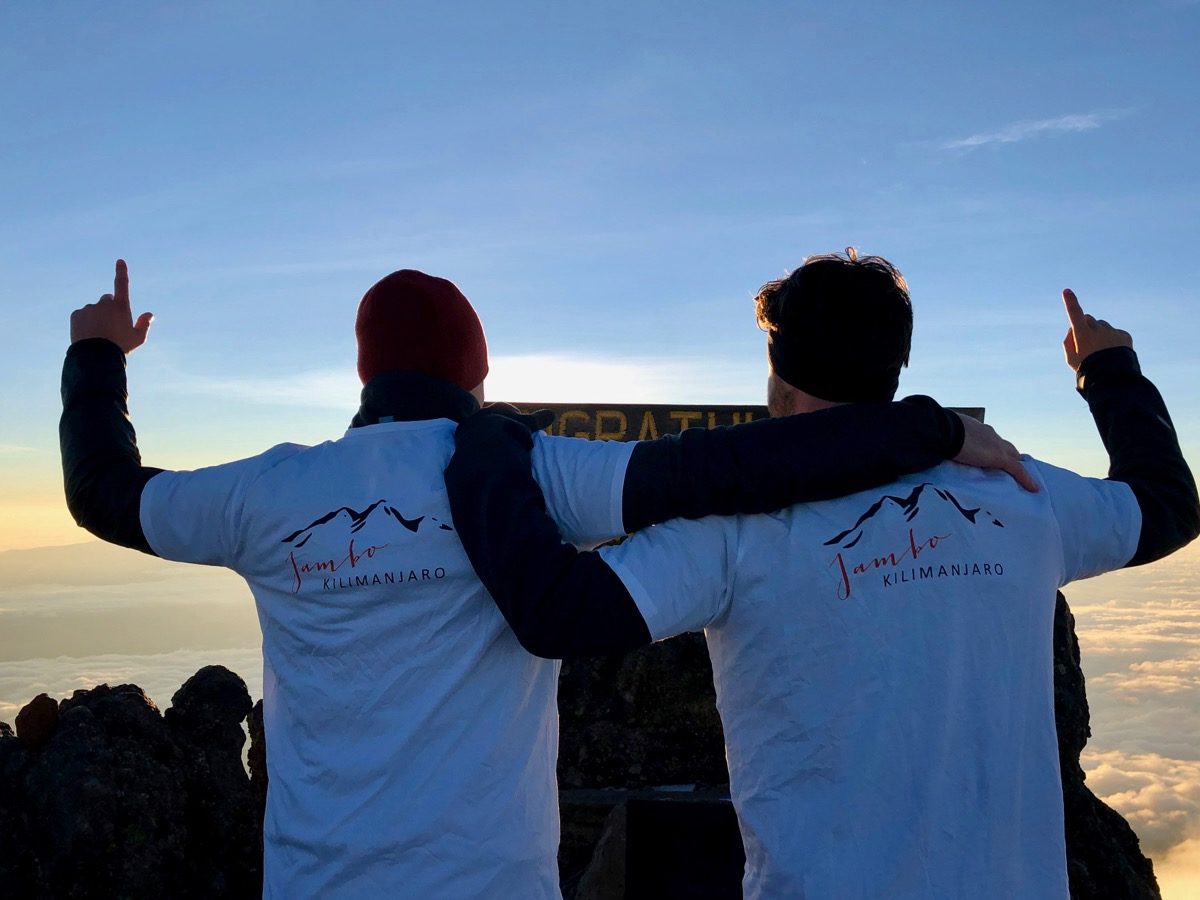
(645, 422)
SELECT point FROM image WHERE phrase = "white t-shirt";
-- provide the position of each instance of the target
(883, 668)
(411, 740)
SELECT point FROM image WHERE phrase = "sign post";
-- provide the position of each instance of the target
(645, 422)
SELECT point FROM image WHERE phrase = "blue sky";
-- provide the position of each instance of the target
(609, 184)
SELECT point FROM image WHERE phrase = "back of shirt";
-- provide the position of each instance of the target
(411, 740)
(883, 671)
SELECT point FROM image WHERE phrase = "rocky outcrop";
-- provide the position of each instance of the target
(121, 801)
(645, 719)
(103, 796)
(1104, 857)
(256, 760)
(224, 824)
(37, 721)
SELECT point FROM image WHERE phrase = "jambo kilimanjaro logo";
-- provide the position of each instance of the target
(879, 526)
(343, 524)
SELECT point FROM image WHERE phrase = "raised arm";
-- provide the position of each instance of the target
(1133, 422)
(102, 468)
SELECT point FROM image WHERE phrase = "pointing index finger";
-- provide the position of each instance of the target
(1074, 311)
(121, 284)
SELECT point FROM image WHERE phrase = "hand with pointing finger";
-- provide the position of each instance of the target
(1088, 334)
(111, 318)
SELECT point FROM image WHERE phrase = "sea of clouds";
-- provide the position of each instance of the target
(87, 614)
(1139, 638)
(159, 674)
(74, 617)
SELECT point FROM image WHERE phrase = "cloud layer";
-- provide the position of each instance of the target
(1139, 636)
(1159, 796)
(159, 675)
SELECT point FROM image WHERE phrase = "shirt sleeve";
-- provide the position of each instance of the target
(680, 575)
(196, 516)
(583, 482)
(1099, 521)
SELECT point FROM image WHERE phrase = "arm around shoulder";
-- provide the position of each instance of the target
(560, 602)
(770, 464)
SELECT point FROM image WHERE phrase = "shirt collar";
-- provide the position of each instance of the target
(411, 397)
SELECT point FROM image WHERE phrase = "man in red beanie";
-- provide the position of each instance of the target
(412, 738)
(410, 320)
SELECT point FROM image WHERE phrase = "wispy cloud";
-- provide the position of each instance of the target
(314, 389)
(15, 448)
(1035, 128)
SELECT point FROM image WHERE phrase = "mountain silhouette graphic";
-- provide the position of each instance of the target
(910, 506)
(350, 519)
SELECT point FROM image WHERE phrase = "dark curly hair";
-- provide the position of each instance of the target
(840, 326)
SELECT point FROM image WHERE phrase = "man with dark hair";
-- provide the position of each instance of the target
(411, 740)
(864, 297)
(882, 661)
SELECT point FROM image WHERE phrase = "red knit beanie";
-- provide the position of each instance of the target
(413, 322)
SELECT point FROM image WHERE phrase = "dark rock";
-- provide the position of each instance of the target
(37, 721)
(18, 872)
(256, 759)
(584, 814)
(605, 874)
(121, 802)
(1104, 858)
(107, 802)
(224, 832)
(214, 699)
(6, 730)
(648, 718)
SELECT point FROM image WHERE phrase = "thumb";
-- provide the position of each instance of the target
(1070, 345)
(541, 419)
(142, 326)
(538, 420)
